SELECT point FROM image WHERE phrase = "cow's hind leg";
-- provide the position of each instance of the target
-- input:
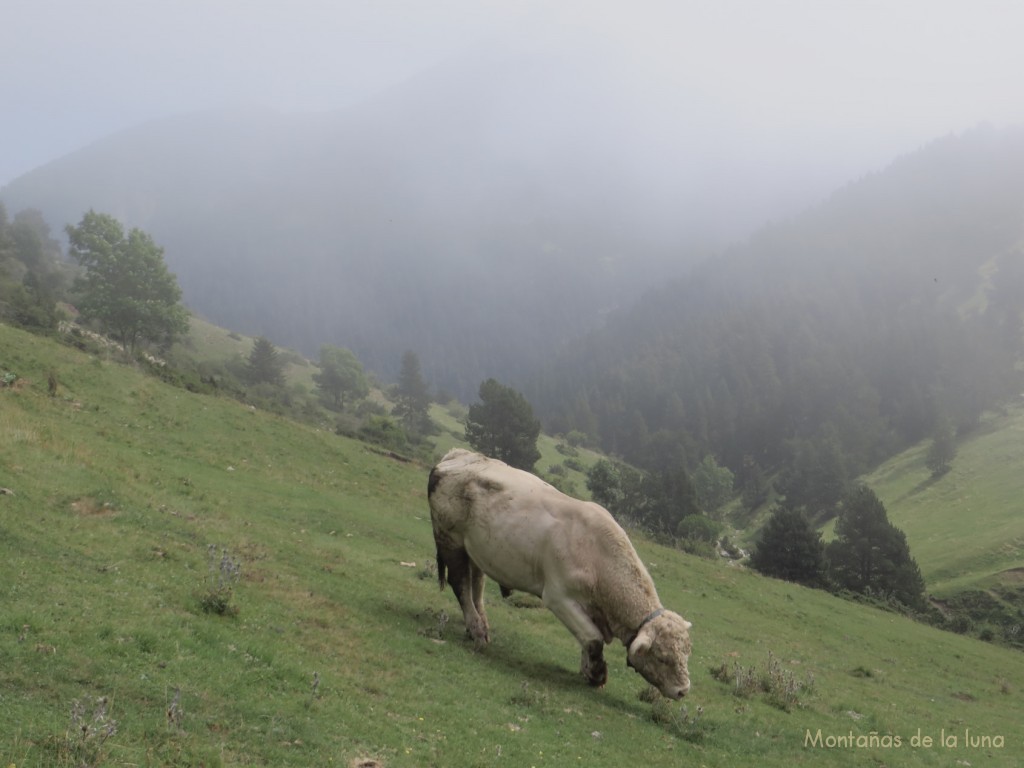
(476, 578)
(461, 578)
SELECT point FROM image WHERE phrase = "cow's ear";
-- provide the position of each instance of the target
(642, 644)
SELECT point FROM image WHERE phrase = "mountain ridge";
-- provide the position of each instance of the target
(510, 200)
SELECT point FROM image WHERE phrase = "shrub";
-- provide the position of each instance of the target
(566, 449)
(574, 465)
(779, 687)
(224, 573)
(383, 431)
(698, 527)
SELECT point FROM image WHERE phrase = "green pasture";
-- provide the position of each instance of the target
(966, 527)
(337, 649)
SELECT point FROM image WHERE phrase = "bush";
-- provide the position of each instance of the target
(574, 465)
(779, 687)
(383, 431)
(224, 573)
(698, 528)
(566, 450)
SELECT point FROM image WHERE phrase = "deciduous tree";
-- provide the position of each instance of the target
(341, 376)
(713, 484)
(127, 287)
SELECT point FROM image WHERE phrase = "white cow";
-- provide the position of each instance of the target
(491, 519)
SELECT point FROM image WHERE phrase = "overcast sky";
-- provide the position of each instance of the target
(861, 81)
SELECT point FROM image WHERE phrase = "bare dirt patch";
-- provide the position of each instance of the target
(89, 507)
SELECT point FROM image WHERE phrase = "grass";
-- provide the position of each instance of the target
(209, 343)
(965, 528)
(335, 653)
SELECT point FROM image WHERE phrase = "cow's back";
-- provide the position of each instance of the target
(518, 528)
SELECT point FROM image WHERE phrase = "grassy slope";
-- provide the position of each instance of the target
(121, 482)
(966, 527)
(209, 343)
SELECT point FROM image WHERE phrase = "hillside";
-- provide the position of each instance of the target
(827, 342)
(117, 487)
(965, 525)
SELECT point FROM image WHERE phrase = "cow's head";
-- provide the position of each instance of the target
(660, 652)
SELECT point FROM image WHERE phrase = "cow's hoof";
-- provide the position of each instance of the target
(479, 633)
(597, 675)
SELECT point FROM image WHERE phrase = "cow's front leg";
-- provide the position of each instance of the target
(570, 613)
(592, 663)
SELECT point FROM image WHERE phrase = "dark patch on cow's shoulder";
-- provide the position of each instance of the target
(435, 478)
(489, 484)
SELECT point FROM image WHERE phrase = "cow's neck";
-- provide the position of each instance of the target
(634, 614)
(626, 590)
(648, 618)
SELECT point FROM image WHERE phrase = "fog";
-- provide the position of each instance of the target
(794, 97)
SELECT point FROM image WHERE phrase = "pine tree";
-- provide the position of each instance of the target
(790, 548)
(502, 425)
(942, 450)
(413, 398)
(870, 555)
(264, 365)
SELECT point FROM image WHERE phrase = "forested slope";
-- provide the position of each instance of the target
(827, 342)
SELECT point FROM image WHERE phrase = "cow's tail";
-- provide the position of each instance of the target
(442, 567)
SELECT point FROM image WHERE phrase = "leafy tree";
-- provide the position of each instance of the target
(870, 555)
(616, 487)
(502, 425)
(413, 397)
(817, 477)
(383, 430)
(264, 365)
(127, 288)
(790, 548)
(341, 376)
(605, 485)
(753, 483)
(698, 528)
(32, 273)
(668, 498)
(35, 248)
(713, 484)
(31, 304)
(661, 501)
(942, 450)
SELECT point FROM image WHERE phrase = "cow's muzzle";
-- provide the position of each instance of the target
(677, 693)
